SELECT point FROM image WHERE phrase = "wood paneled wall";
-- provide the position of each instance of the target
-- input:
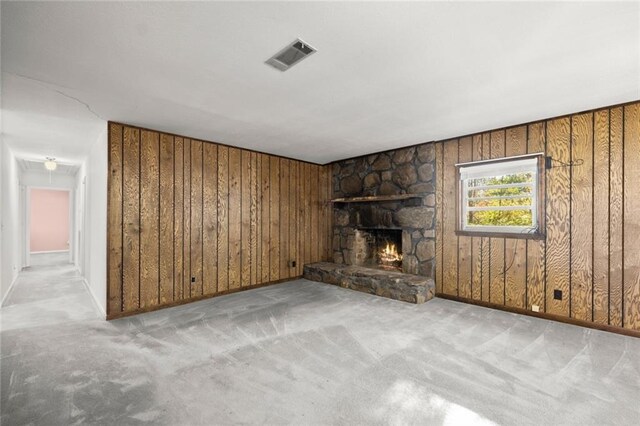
(189, 219)
(592, 246)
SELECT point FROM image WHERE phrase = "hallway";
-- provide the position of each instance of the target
(303, 353)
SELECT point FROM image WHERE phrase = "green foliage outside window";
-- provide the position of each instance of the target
(521, 197)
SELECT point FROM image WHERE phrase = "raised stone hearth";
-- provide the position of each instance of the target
(394, 285)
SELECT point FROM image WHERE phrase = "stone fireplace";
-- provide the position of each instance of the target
(389, 194)
(383, 225)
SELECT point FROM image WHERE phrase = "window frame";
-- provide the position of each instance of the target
(538, 207)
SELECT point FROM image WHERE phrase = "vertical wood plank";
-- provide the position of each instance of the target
(245, 218)
(601, 217)
(149, 218)
(235, 214)
(485, 254)
(293, 219)
(582, 217)
(465, 154)
(210, 218)
(166, 219)
(114, 302)
(497, 267)
(315, 210)
(255, 220)
(307, 214)
(450, 249)
(515, 249)
(131, 219)
(265, 202)
(284, 217)
(476, 242)
(536, 248)
(178, 219)
(558, 214)
(186, 216)
(274, 220)
(196, 218)
(631, 249)
(616, 225)
(440, 242)
(223, 218)
(300, 217)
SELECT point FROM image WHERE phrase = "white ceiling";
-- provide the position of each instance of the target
(385, 74)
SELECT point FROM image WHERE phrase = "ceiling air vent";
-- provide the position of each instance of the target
(290, 55)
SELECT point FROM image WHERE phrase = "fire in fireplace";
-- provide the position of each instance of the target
(379, 248)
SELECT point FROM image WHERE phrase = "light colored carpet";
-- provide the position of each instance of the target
(303, 353)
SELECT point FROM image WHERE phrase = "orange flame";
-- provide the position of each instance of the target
(390, 254)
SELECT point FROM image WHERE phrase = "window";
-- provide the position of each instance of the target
(501, 196)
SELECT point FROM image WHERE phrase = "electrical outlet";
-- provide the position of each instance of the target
(193, 279)
(557, 294)
(535, 308)
(292, 263)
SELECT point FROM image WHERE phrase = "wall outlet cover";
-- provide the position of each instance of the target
(535, 308)
(557, 294)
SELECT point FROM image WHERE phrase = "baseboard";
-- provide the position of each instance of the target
(116, 315)
(94, 298)
(543, 315)
(9, 290)
(49, 252)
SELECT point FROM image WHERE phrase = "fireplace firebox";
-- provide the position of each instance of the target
(379, 248)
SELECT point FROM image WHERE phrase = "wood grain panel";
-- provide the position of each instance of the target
(536, 248)
(196, 218)
(223, 218)
(245, 207)
(209, 218)
(186, 216)
(149, 218)
(228, 218)
(254, 224)
(450, 250)
(131, 220)
(592, 247)
(178, 220)
(465, 148)
(497, 245)
(616, 225)
(274, 219)
(485, 254)
(293, 218)
(315, 211)
(601, 217)
(284, 218)
(166, 219)
(631, 248)
(235, 213)
(439, 153)
(307, 214)
(476, 242)
(265, 203)
(515, 250)
(558, 212)
(114, 231)
(582, 217)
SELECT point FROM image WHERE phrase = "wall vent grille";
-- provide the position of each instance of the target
(290, 55)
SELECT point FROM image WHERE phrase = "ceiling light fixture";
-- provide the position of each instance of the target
(50, 164)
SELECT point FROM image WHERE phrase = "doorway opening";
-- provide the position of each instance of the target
(49, 226)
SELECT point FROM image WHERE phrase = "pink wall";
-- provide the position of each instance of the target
(49, 226)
